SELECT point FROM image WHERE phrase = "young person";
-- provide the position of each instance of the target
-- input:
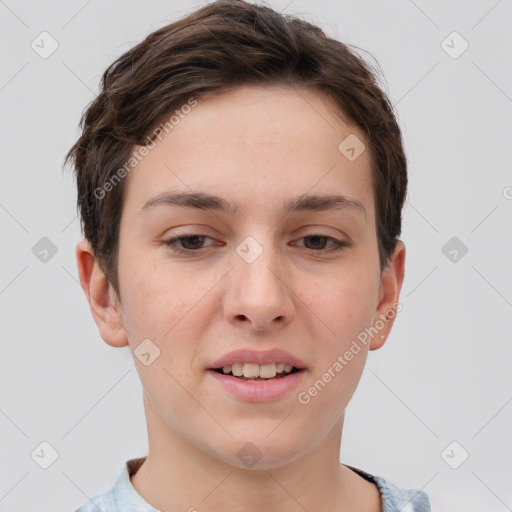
(240, 180)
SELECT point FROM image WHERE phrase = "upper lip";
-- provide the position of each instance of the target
(260, 357)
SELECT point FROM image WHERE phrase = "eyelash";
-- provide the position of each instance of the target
(171, 243)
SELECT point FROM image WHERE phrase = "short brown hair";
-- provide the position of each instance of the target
(210, 51)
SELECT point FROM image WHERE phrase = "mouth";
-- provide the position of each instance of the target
(254, 376)
(257, 373)
(251, 382)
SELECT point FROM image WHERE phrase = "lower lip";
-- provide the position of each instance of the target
(258, 391)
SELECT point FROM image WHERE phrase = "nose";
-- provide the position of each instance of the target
(258, 293)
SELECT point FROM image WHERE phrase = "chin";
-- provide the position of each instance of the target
(263, 454)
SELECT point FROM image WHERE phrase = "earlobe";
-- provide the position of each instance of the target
(105, 311)
(391, 284)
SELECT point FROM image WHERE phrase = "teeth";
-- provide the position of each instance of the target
(252, 371)
(267, 371)
(236, 369)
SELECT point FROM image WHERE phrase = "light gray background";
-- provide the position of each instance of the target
(444, 375)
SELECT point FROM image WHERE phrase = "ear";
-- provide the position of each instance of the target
(101, 296)
(391, 283)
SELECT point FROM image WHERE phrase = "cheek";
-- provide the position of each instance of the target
(343, 306)
(173, 310)
(156, 299)
(343, 310)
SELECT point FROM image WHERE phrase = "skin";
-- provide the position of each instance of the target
(257, 146)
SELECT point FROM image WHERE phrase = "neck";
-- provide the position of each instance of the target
(177, 475)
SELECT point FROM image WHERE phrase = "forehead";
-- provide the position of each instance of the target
(258, 147)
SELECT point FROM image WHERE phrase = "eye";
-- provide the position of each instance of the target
(318, 243)
(192, 239)
(193, 242)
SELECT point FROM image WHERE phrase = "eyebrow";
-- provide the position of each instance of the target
(204, 201)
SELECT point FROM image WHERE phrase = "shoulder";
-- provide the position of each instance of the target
(103, 501)
(121, 497)
(396, 498)
(406, 500)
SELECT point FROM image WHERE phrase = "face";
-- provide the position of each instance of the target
(303, 280)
